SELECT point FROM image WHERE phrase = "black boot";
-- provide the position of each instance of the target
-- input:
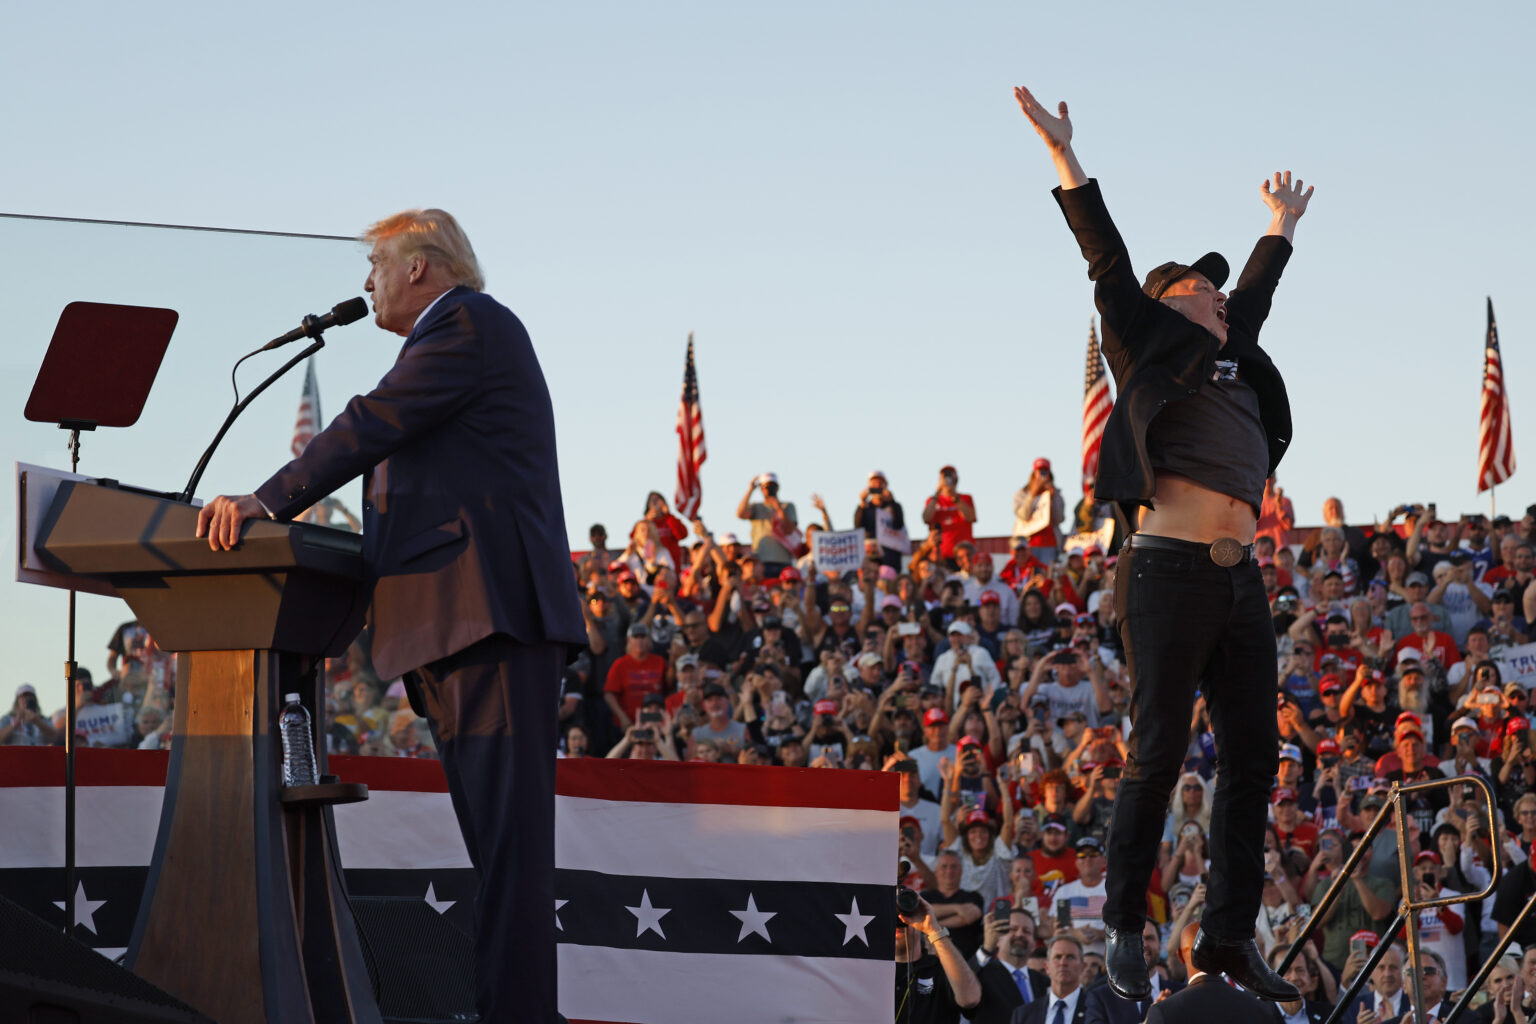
(1125, 961)
(1239, 960)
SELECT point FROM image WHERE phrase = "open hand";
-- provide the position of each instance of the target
(1056, 131)
(1284, 199)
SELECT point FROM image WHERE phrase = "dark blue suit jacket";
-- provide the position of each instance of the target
(463, 526)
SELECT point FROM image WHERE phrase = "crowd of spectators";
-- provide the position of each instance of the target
(133, 708)
(995, 687)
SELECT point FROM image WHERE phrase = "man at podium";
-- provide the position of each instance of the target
(474, 600)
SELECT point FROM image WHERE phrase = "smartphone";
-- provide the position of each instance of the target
(1357, 946)
(1111, 771)
(644, 736)
(970, 784)
(1001, 908)
(1027, 763)
(1469, 792)
(908, 629)
(779, 700)
(900, 700)
(650, 716)
(908, 832)
(1064, 913)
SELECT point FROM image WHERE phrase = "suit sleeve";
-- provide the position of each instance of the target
(1249, 302)
(434, 378)
(1116, 292)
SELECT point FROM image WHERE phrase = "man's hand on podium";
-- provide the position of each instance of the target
(220, 520)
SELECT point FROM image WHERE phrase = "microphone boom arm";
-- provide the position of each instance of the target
(202, 463)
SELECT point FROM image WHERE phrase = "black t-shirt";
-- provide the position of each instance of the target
(967, 938)
(929, 1000)
(1515, 888)
(1377, 726)
(1426, 804)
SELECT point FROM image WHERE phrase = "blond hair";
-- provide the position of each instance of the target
(436, 235)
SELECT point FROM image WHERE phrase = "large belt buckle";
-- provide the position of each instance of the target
(1226, 552)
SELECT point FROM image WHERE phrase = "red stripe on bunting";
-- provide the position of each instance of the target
(676, 782)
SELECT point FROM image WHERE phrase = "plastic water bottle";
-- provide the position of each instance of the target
(298, 744)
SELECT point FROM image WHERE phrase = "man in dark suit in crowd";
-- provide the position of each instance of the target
(1065, 1002)
(1105, 1007)
(1007, 982)
(1389, 1000)
(1207, 997)
(1200, 420)
(1300, 974)
(474, 599)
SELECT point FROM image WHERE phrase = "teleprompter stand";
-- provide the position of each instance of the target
(97, 372)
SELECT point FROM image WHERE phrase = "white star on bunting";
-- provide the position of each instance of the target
(85, 909)
(753, 920)
(441, 906)
(647, 917)
(854, 924)
(558, 905)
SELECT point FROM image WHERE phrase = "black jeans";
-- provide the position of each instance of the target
(1188, 624)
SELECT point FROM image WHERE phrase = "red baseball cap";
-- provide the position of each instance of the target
(825, 707)
(979, 817)
(1329, 684)
(1367, 936)
(1429, 855)
(1044, 464)
(1515, 723)
(990, 597)
(934, 716)
(790, 575)
(967, 741)
(907, 819)
(1283, 794)
(1327, 746)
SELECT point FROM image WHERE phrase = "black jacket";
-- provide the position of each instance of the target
(999, 995)
(463, 527)
(1158, 356)
(1208, 998)
(1034, 1013)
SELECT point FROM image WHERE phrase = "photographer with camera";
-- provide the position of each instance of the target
(25, 725)
(937, 987)
(1066, 693)
(950, 514)
(876, 503)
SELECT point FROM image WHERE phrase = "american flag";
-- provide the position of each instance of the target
(1096, 406)
(1495, 446)
(690, 442)
(1087, 908)
(764, 888)
(308, 423)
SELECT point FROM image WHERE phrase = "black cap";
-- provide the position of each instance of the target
(1213, 265)
(638, 630)
(714, 690)
(653, 698)
(1090, 843)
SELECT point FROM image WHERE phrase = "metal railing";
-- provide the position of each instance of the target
(1408, 907)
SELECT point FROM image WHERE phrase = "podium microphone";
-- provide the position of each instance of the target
(341, 314)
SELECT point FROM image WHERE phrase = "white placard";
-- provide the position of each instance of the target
(838, 552)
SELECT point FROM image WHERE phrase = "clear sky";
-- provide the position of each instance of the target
(841, 199)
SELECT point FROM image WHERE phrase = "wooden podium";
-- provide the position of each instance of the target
(244, 914)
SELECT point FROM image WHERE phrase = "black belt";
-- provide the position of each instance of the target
(1224, 551)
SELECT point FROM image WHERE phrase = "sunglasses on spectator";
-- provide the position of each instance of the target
(1085, 854)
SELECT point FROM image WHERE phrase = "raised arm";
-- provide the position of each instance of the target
(1285, 202)
(1056, 132)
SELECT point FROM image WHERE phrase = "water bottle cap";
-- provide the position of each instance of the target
(290, 698)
